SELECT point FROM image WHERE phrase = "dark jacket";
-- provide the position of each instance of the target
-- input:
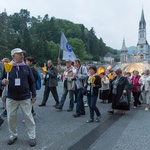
(97, 85)
(123, 84)
(51, 77)
(34, 73)
(27, 87)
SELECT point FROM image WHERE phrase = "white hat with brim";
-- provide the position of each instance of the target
(17, 50)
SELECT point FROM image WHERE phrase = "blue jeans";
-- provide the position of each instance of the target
(63, 98)
(92, 99)
(80, 104)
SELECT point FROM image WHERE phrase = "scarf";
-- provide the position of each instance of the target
(31, 65)
(17, 66)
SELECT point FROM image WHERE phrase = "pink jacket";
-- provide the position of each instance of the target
(135, 81)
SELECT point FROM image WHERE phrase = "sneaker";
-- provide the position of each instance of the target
(85, 105)
(58, 107)
(11, 141)
(76, 115)
(42, 105)
(98, 119)
(1, 121)
(90, 120)
(111, 111)
(134, 107)
(146, 109)
(32, 142)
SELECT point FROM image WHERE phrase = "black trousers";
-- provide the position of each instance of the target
(75, 94)
(136, 96)
(47, 91)
(1, 121)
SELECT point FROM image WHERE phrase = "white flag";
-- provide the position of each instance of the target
(67, 50)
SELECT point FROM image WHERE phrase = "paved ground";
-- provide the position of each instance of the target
(60, 131)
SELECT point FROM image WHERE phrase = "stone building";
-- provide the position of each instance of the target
(140, 60)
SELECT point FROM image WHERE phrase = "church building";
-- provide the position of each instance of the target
(140, 60)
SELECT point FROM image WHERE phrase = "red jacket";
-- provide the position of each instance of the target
(135, 81)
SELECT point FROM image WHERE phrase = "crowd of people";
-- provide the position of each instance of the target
(117, 87)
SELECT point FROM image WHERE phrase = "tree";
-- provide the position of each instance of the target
(41, 37)
(78, 47)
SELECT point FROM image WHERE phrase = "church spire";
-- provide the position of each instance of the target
(142, 45)
(142, 23)
(123, 46)
(124, 53)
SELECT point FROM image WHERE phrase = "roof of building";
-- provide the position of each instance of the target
(110, 55)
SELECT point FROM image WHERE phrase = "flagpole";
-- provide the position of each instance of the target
(59, 53)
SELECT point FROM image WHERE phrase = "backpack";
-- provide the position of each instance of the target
(38, 81)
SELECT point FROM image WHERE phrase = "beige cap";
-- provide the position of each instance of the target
(68, 60)
(17, 50)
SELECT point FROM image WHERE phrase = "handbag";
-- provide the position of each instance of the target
(123, 101)
(131, 86)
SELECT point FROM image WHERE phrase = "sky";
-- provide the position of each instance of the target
(112, 20)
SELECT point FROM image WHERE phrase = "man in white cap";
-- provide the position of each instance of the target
(21, 89)
(68, 86)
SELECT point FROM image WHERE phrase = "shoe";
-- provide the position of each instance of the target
(42, 105)
(4, 114)
(11, 141)
(83, 113)
(32, 142)
(98, 119)
(85, 105)
(111, 111)
(76, 115)
(58, 107)
(146, 109)
(123, 113)
(1, 121)
(90, 120)
(69, 110)
(134, 107)
(33, 114)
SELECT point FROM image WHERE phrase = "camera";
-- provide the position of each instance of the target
(73, 79)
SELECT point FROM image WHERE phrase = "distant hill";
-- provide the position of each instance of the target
(131, 49)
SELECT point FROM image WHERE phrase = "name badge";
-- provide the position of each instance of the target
(88, 88)
(47, 76)
(17, 82)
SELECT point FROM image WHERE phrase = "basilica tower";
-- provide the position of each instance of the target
(124, 53)
(142, 45)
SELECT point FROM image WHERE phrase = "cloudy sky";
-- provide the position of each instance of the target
(112, 20)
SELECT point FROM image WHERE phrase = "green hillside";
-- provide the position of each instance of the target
(40, 37)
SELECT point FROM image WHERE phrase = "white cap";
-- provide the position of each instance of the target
(17, 50)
